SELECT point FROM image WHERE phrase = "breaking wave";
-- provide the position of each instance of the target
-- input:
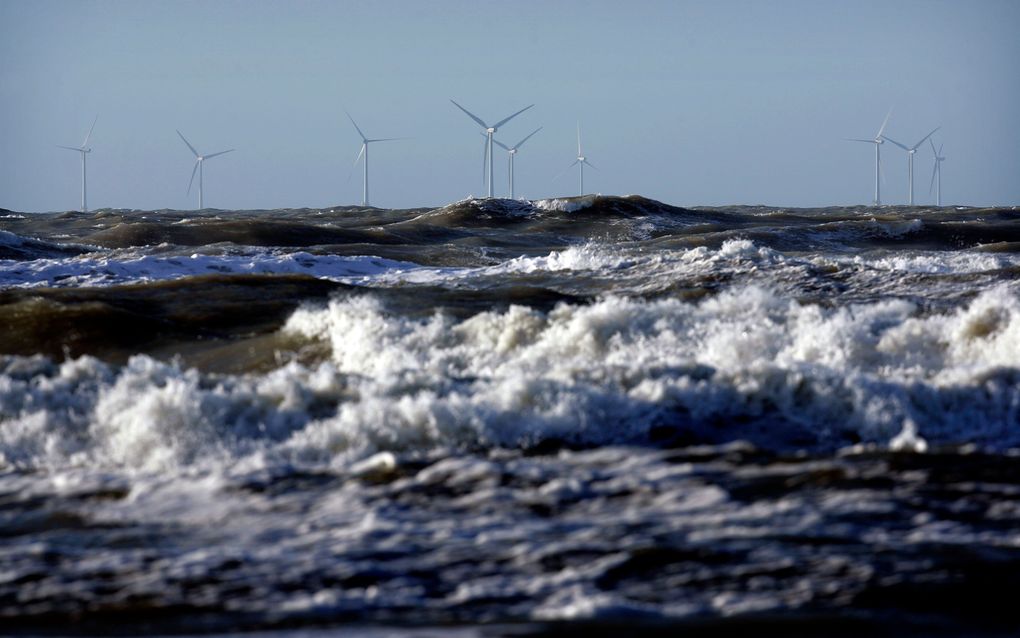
(17, 248)
(747, 364)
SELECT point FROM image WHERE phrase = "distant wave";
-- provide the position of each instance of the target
(526, 224)
(17, 248)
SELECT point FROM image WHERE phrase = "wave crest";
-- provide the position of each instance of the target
(746, 364)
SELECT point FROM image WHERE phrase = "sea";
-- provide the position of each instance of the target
(594, 415)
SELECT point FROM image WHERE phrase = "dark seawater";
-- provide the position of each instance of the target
(598, 415)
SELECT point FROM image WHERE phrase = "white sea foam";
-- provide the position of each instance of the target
(628, 269)
(602, 372)
(936, 263)
(589, 256)
(565, 204)
(591, 374)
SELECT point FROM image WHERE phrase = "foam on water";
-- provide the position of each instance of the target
(746, 364)
(565, 204)
(623, 269)
(936, 263)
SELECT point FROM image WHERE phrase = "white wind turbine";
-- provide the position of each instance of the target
(512, 151)
(83, 149)
(910, 162)
(877, 141)
(199, 160)
(489, 132)
(936, 173)
(579, 163)
(364, 151)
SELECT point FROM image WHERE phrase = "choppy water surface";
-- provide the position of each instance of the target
(509, 417)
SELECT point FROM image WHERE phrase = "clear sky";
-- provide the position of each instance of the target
(691, 103)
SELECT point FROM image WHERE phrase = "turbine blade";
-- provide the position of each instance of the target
(70, 148)
(86, 142)
(933, 148)
(387, 139)
(220, 153)
(884, 122)
(590, 164)
(854, 139)
(192, 180)
(925, 137)
(356, 126)
(521, 143)
(189, 145)
(500, 144)
(889, 139)
(579, 139)
(934, 169)
(941, 146)
(471, 115)
(356, 160)
(560, 174)
(507, 119)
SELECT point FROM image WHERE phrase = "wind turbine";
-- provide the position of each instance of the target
(83, 149)
(199, 160)
(579, 162)
(364, 151)
(936, 173)
(910, 161)
(511, 151)
(877, 141)
(489, 132)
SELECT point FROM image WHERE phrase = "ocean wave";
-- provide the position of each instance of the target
(565, 204)
(747, 364)
(131, 267)
(14, 247)
(937, 263)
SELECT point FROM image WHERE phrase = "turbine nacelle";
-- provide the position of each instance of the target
(491, 129)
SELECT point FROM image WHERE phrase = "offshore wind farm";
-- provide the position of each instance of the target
(745, 376)
(580, 160)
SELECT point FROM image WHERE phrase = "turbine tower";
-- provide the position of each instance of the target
(489, 132)
(580, 162)
(364, 151)
(910, 162)
(83, 149)
(877, 141)
(511, 151)
(936, 173)
(199, 160)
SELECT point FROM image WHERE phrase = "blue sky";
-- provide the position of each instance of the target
(691, 103)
